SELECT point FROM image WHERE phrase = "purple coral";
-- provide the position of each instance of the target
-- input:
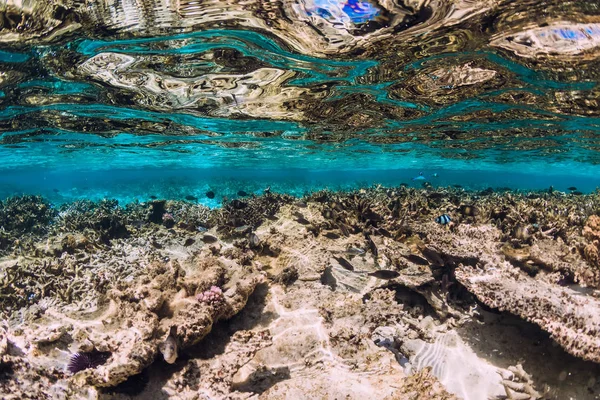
(212, 297)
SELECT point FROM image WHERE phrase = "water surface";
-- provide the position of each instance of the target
(121, 99)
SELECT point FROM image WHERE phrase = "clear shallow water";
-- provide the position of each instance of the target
(168, 100)
(132, 185)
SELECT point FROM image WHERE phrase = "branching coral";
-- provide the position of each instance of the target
(519, 385)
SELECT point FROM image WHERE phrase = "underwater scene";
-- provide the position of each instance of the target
(299, 199)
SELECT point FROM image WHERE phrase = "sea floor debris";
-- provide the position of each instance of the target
(354, 295)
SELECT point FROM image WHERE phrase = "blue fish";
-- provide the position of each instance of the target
(421, 177)
(443, 219)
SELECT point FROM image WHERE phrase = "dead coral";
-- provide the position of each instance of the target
(105, 217)
(519, 385)
(591, 251)
(421, 385)
(216, 379)
(251, 211)
(571, 319)
(21, 380)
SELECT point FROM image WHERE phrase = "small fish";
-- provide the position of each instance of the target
(332, 235)
(298, 214)
(267, 190)
(445, 285)
(354, 251)
(189, 242)
(327, 213)
(443, 219)
(168, 348)
(153, 197)
(576, 192)
(384, 232)
(55, 190)
(421, 177)
(372, 246)
(468, 210)
(191, 198)
(301, 204)
(373, 216)
(416, 259)
(254, 240)
(242, 229)
(241, 193)
(201, 228)
(302, 221)
(432, 256)
(344, 263)
(344, 229)
(384, 274)
(572, 188)
(238, 205)
(209, 238)
(210, 194)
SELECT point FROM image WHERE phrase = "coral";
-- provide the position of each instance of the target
(212, 297)
(518, 384)
(158, 291)
(167, 220)
(22, 380)
(25, 214)
(134, 325)
(251, 211)
(421, 385)
(591, 230)
(106, 218)
(572, 320)
(591, 251)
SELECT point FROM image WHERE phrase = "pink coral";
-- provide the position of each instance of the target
(212, 297)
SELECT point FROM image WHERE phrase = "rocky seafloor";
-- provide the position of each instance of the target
(332, 296)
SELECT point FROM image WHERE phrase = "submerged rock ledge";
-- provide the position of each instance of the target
(358, 294)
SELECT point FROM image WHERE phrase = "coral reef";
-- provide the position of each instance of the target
(591, 251)
(23, 216)
(272, 295)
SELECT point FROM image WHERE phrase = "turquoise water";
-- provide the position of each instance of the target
(128, 108)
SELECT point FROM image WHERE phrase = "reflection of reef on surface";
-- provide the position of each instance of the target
(365, 285)
(483, 75)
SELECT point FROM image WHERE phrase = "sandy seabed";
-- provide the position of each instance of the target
(357, 295)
